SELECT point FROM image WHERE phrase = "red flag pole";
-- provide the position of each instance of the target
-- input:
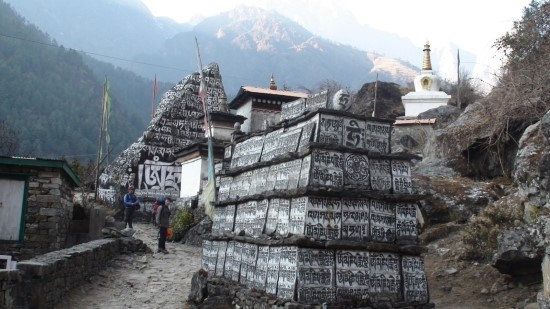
(154, 97)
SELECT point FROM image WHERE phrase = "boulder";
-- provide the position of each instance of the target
(198, 290)
(193, 237)
(521, 250)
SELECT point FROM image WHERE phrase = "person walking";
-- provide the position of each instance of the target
(130, 203)
(163, 222)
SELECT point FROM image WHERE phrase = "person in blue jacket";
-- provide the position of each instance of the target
(130, 203)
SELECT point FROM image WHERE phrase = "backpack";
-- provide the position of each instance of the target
(155, 207)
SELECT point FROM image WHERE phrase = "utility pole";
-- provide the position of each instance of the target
(458, 103)
(375, 92)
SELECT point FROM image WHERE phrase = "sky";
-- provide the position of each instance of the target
(470, 23)
(473, 25)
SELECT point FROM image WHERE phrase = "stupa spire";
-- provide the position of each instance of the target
(427, 63)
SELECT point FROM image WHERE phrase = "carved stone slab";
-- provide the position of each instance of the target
(289, 141)
(352, 259)
(261, 180)
(283, 221)
(401, 176)
(237, 255)
(234, 187)
(327, 168)
(382, 262)
(225, 185)
(209, 257)
(316, 275)
(293, 109)
(406, 220)
(250, 217)
(377, 136)
(261, 215)
(244, 219)
(219, 213)
(330, 129)
(247, 152)
(415, 285)
(323, 218)
(273, 270)
(355, 218)
(253, 188)
(308, 133)
(272, 216)
(260, 277)
(384, 287)
(294, 169)
(206, 248)
(228, 151)
(251, 258)
(352, 274)
(220, 264)
(317, 100)
(354, 133)
(288, 272)
(271, 178)
(229, 222)
(382, 221)
(305, 172)
(271, 144)
(380, 174)
(228, 267)
(298, 207)
(244, 186)
(308, 257)
(356, 170)
(314, 294)
(283, 172)
(385, 281)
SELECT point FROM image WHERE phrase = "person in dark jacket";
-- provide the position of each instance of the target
(130, 202)
(163, 222)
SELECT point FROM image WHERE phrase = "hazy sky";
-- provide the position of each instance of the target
(472, 24)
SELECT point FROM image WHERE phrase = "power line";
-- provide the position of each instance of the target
(95, 54)
(119, 58)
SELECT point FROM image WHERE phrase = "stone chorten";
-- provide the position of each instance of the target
(426, 93)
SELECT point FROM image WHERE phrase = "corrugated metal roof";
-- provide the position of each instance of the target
(38, 162)
(414, 121)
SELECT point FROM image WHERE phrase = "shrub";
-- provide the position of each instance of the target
(181, 222)
(481, 231)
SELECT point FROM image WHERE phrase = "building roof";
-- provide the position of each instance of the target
(37, 162)
(414, 121)
(278, 95)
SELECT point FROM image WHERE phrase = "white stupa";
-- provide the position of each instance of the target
(426, 93)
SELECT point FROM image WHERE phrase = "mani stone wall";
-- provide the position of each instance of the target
(49, 210)
(318, 211)
(149, 163)
(42, 281)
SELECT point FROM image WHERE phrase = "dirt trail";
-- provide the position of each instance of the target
(140, 280)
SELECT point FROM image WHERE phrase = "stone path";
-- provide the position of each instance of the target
(140, 280)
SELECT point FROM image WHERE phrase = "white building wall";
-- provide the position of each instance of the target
(192, 172)
(246, 110)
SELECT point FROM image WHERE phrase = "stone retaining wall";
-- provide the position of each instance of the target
(42, 281)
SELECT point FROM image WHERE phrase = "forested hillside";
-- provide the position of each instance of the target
(51, 98)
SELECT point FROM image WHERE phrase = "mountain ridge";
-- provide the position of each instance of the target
(171, 65)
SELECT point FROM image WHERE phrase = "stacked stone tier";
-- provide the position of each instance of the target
(318, 210)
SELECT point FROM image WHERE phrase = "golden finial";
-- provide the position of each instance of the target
(427, 63)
